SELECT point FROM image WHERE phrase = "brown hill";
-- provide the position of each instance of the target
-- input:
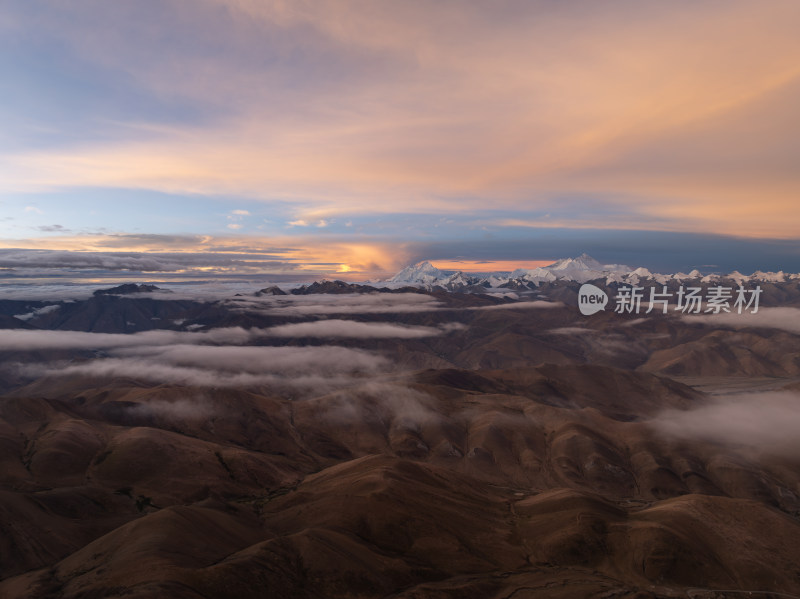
(546, 481)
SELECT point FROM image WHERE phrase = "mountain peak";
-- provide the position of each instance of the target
(128, 288)
(422, 272)
(582, 262)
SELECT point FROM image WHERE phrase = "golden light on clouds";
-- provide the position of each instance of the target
(296, 254)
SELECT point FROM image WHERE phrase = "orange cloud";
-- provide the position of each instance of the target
(323, 257)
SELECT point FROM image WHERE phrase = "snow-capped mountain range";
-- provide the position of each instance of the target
(582, 269)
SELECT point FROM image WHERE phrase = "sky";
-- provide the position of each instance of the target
(350, 138)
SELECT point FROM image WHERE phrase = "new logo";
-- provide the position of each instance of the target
(591, 299)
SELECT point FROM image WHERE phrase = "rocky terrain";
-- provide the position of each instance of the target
(342, 442)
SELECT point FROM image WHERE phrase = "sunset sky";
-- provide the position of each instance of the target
(357, 136)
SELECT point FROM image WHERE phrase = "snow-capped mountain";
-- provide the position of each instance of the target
(427, 275)
(582, 269)
(421, 273)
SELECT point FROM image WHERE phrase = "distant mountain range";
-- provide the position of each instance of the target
(582, 269)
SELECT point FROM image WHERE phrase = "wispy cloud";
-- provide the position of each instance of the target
(32, 340)
(203, 262)
(352, 329)
(760, 422)
(320, 304)
(179, 410)
(52, 229)
(535, 305)
(316, 369)
(571, 331)
(396, 406)
(148, 370)
(323, 360)
(784, 319)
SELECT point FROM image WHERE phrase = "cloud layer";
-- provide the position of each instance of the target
(762, 422)
(356, 303)
(324, 360)
(784, 319)
(155, 372)
(143, 261)
(352, 329)
(315, 369)
(33, 340)
(220, 357)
